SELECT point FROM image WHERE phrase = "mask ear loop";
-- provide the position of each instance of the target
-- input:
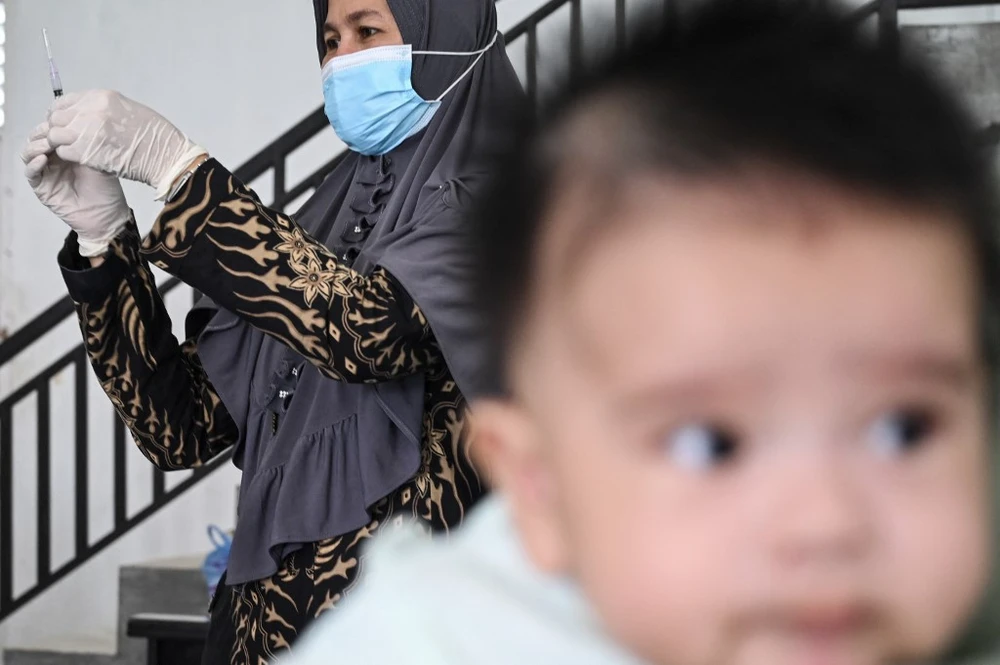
(462, 53)
(481, 53)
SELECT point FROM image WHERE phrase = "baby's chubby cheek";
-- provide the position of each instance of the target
(651, 558)
(664, 611)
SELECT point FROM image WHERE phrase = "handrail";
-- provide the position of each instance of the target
(533, 19)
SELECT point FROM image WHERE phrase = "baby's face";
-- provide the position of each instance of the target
(752, 424)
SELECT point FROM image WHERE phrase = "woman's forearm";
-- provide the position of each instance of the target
(258, 263)
(157, 385)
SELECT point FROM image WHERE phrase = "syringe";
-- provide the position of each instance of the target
(57, 88)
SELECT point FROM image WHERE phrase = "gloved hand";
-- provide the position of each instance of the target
(107, 131)
(91, 203)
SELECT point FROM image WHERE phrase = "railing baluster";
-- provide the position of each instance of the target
(10, 606)
(6, 509)
(159, 485)
(576, 37)
(120, 473)
(861, 14)
(888, 25)
(82, 367)
(671, 15)
(279, 180)
(531, 55)
(621, 27)
(316, 179)
(44, 488)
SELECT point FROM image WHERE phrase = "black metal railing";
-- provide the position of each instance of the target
(274, 159)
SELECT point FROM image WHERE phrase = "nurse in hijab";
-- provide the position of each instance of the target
(333, 352)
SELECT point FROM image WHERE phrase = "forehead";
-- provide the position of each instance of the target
(744, 272)
(346, 10)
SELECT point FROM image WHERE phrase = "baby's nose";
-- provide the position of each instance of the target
(823, 516)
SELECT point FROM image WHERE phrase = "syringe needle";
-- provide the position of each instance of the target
(48, 47)
(57, 88)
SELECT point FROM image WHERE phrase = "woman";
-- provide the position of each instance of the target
(332, 351)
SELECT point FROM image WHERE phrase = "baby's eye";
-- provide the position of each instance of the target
(701, 447)
(901, 431)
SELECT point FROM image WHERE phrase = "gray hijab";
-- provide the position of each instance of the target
(343, 447)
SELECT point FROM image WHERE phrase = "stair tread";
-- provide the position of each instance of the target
(28, 657)
(192, 562)
(177, 627)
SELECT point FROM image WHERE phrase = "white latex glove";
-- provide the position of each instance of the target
(106, 131)
(91, 203)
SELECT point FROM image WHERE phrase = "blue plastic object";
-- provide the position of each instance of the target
(217, 560)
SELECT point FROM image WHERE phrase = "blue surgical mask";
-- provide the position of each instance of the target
(370, 99)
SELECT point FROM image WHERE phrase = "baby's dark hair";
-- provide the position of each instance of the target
(737, 83)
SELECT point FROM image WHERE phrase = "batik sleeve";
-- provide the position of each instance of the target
(260, 264)
(156, 384)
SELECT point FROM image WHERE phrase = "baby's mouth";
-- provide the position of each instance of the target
(828, 621)
(827, 634)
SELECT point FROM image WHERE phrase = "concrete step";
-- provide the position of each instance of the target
(171, 639)
(172, 587)
(159, 587)
(54, 658)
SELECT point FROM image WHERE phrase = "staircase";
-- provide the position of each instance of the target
(969, 56)
(164, 589)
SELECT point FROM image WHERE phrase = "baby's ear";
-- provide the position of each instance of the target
(507, 446)
(490, 439)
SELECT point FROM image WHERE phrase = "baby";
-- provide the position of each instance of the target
(743, 281)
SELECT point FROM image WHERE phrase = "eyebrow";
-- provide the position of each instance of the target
(951, 369)
(695, 389)
(355, 17)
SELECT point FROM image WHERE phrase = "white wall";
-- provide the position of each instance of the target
(233, 74)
